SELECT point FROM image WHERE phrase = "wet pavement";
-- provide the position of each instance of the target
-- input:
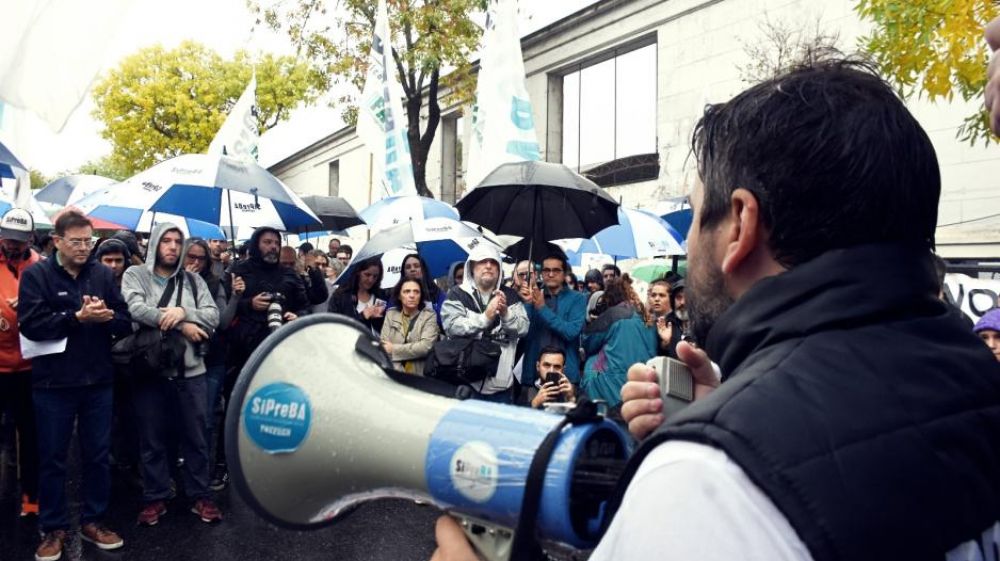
(380, 531)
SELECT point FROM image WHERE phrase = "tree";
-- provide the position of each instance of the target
(38, 179)
(933, 48)
(781, 46)
(432, 41)
(162, 103)
(105, 167)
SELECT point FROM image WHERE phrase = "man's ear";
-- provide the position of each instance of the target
(744, 231)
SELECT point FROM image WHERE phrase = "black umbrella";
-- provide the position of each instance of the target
(539, 201)
(525, 249)
(335, 213)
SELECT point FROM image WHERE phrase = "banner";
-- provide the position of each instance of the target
(237, 137)
(974, 296)
(503, 125)
(382, 125)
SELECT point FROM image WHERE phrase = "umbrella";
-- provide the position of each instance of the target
(440, 241)
(15, 185)
(539, 201)
(70, 189)
(651, 272)
(520, 250)
(639, 234)
(334, 212)
(10, 166)
(216, 189)
(395, 210)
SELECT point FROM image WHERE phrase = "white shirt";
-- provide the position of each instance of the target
(690, 501)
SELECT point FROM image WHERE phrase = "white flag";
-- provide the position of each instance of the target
(237, 137)
(503, 126)
(382, 125)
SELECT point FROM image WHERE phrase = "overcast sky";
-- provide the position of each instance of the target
(224, 25)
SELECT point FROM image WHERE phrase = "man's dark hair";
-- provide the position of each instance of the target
(610, 267)
(552, 350)
(69, 220)
(306, 247)
(941, 268)
(397, 292)
(832, 155)
(346, 249)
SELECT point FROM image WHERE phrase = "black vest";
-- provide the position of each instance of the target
(861, 407)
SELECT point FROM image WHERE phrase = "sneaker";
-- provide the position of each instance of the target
(100, 536)
(28, 506)
(220, 478)
(151, 513)
(207, 511)
(51, 547)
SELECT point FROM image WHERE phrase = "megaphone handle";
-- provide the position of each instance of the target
(491, 542)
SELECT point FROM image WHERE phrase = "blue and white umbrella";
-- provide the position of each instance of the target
(393, 211)
(677, 212)
(10, 167)
(70, 189)
(215, 189)
(440, 241)
(637, 235)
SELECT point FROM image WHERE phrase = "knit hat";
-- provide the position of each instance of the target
(989, 321)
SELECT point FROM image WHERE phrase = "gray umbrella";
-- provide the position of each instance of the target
(335, 213)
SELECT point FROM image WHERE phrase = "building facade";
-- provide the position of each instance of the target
(617, 87)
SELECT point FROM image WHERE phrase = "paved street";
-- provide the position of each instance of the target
(387, 530)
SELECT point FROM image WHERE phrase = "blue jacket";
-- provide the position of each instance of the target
(565, 324)
(626, 342)
(48, 300)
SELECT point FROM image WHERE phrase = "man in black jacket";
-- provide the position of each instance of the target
(858, 418)
(72, 304)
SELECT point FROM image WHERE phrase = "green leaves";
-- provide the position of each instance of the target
(933, 48)
(161, 103)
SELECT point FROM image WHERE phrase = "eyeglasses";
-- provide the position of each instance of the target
(74, 242)
(522, 275)
(551, 271)
(197, 257)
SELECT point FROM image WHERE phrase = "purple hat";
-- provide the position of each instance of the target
(989, 321)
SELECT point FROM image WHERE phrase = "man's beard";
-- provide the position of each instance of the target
(706, 301)
(270, 257)
(12, 254)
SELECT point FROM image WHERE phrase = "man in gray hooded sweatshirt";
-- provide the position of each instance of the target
(191, 310)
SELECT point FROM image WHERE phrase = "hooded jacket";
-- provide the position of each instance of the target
(48, 299)
(142, 289)
(10, 343)
(250, 326)
(462, 321)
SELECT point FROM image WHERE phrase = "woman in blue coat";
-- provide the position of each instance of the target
(616, 340)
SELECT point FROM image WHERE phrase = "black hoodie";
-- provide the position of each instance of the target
(250, 326)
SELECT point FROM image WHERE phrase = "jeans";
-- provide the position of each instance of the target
(163, 406)
(214, 377)
(15, 397)
(56, 409)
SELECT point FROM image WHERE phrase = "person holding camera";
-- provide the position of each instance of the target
(361, 296)
(163, 295)
(553, 385)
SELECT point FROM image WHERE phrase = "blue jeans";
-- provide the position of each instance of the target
(214, 377)
(55, 412)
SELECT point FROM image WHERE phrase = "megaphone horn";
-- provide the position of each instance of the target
(318, 423)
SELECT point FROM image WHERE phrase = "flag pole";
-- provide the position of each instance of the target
(371, 173)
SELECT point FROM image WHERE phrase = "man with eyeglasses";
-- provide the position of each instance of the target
(72, 305)
(556, 317)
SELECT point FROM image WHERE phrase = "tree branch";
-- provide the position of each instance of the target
(433, 111)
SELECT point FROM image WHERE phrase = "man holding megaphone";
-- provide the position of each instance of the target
(858, 418)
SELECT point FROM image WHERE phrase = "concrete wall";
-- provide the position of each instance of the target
(700, 49)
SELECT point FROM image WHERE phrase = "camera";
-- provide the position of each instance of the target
(553, 378)
(201, 347)
(275, 310)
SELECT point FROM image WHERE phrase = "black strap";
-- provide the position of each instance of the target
(372, 348)
(167, 293)
(525, 545)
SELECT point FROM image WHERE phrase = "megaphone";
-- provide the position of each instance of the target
(319, 423)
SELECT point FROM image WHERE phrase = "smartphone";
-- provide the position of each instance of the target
(553, 378)
(676, 383)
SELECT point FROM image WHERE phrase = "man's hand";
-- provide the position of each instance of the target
(239, 286)
(566, 389)
(642, 407)
(12, 302)
(93, 310)
(290, 316)
(537, 297)
(193, 333)
(546, 393)
(993, 75)
(451, 541)
(260, 302)
(171, 317)
(497, 305)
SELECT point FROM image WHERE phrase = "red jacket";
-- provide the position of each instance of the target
(10, 344)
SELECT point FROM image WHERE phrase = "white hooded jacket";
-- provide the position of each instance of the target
(460, 321)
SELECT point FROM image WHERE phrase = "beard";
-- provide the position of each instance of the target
(706, 300)
(12, 254)
(270, 257)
